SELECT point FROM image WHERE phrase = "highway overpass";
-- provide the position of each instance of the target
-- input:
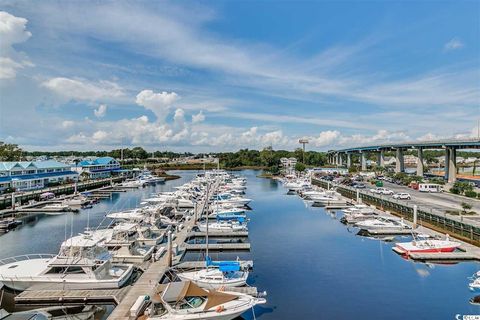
(343, 156)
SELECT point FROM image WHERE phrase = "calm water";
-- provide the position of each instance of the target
(311, 265)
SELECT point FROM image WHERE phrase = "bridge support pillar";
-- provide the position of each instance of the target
(420, 162)
(349, 160)
(381, 158)
(447, 162)
(452, 165)
(399, 163)
(363, 160)
(340, 159)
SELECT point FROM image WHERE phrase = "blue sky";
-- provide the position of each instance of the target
(223, 75)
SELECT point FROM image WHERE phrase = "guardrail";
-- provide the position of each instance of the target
(445, 222)
(24, 257)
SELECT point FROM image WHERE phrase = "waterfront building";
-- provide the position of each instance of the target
(98, 168)
(31, 175)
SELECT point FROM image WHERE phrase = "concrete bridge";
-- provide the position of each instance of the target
(343, 156)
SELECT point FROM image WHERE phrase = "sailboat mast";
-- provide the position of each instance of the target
(206, 216)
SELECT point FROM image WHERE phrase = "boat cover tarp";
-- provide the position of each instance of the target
(216, 298)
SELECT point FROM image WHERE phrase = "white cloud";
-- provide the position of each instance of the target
(101, 111)
(199, 117)
(81, 89)
(13, 30)
(453, 44)
(158, 103)
(325, 138)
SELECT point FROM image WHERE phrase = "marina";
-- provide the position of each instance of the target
(258, 252)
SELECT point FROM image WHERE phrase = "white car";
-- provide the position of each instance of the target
(382, 191)
(402, 196)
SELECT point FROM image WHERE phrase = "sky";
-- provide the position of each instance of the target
(206, 76)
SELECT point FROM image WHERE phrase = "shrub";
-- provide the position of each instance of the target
(471, 194)
(454, 190)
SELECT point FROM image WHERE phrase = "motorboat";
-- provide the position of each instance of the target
(185, 301)
(56, 207)
(54, 313)
(383, 223)
(80, 264)
(427, 246)
(222, 226)
(226, 198)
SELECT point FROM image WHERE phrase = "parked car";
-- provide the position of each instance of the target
(359, 185)
(382, 191)
(402, 196)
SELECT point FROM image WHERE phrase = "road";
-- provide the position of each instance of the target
(440, 201)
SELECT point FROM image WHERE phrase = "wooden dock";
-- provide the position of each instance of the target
(218, 246)
(54, 297)
(149, 280)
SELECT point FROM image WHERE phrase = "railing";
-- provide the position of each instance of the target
(453, 225)
(26, 257)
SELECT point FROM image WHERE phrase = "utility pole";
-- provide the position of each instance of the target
(303, 142)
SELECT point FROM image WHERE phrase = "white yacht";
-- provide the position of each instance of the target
(217, 275)
(80, 264)
(222, 226)
(383, 222)
(187, 301)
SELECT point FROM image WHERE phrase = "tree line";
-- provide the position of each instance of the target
(266, 158)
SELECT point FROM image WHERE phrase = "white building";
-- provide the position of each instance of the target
(98, 168)
(30, 175)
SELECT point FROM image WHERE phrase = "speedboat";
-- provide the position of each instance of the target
(226, 198)
(222, 226)
(54, 313)
(383, 222)
(217, 275)
(187, 301)
(427, 246)
(80, 264)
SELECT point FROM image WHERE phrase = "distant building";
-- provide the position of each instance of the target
(30, 175)
(98, 168)
(288, 164)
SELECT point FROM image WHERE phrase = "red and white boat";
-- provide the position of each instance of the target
(427, 246)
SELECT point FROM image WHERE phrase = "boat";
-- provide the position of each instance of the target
(54, 313)
(185, 301)
(80, 264)
(383, 223)
(217, 275)
(57, 207)
(226, 198)
(222, 226)
(427, 246)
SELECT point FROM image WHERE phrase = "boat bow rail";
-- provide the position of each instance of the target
(24, 257)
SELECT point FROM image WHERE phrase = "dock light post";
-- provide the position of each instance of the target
(303, 142)
(415, 214)
(169, 248)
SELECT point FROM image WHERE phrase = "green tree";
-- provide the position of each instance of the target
(267, 157)
(300, 167)
(10, 152)
(466, 207)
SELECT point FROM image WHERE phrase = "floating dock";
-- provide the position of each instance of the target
(54, 297)
(218, 246)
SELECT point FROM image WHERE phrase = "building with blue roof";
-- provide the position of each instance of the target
(31, 175)
(98, 168)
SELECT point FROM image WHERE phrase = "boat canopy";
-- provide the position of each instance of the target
(223, 266)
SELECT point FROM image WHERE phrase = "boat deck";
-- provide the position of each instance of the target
(42, 296)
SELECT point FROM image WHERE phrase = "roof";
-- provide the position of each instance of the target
(98, 162)
(48, 164)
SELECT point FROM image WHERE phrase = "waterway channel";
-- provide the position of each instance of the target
(311, 265)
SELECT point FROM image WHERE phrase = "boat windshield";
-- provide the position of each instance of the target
(191, 302)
